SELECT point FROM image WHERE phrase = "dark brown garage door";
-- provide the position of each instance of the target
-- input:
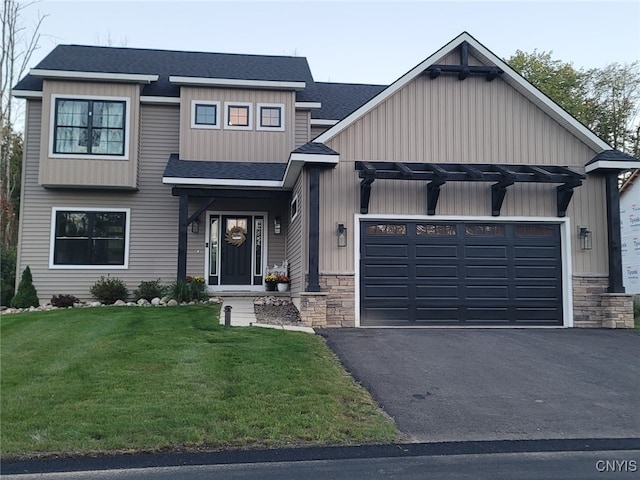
(460, 273)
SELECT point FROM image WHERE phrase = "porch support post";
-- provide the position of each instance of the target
(183, 214)
(314, 229)
(613, 232)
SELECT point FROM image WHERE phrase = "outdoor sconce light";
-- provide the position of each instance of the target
(276, 225)
(195, 226)
(585, 236)
(342, 235)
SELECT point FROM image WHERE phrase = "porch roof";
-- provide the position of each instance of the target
(238, 174)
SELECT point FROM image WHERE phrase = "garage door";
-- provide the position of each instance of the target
(460, 273)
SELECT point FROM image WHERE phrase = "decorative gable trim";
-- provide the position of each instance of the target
(510, 76)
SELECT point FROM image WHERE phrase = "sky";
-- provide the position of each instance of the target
(358, 41)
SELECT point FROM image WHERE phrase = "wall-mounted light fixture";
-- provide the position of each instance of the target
(195, 226)
(341, 231)
(276, 225)
(586, 238)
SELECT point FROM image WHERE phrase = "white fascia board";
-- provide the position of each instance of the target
(314, 158)
(113, 77)
(322, 122)
(610, 165)
(307, 105)
(159, 100)
(26, 94)
(510, 76)
(217, 182)
(291, 174)
(232, 82)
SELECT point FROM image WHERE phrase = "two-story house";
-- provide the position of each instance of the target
(457, 195)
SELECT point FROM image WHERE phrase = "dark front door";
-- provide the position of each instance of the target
(235, 251)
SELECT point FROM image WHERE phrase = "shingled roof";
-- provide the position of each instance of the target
(340, 99)
(81, 58)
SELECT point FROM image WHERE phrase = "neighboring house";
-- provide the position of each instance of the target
(457, 195)
(630, 229)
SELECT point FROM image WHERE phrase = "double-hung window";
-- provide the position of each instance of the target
(89, 126)
(88, 237)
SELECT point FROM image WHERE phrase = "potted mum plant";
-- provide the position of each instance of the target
(283, 283)
(270, 282)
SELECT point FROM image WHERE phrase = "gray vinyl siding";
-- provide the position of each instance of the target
(302, 127)
(153, 233)
(297, 238)
(318, 130)
(94, 172)
(242, 145)
(471, 121)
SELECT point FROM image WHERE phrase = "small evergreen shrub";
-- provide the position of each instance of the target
(188, 290)
(63, 300)
(150, 290)
(26, 296)
(109, 289)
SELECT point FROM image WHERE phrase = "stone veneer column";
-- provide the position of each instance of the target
(617, 310)
(313, 309)
(341, 302)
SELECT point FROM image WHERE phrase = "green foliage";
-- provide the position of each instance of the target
(606, 100)
(7, 274)
(188, 290)
(150, 290)
(63, 300)
(109, 289)
(26, 296)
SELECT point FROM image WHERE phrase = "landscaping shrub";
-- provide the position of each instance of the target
(190, 289)
(63, 300)
(7, 275)
(26, 296)
(109, 289)
(150, 290)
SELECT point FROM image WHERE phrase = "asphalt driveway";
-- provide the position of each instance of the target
(481, 384)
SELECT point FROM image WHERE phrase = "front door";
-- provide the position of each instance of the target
(235, 251)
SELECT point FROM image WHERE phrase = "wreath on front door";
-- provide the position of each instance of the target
(235, 236)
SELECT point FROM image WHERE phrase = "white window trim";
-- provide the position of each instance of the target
(73, 208)
(127, 127)
(259, 125)
(215, 126)
(297, 202)
(249, 117)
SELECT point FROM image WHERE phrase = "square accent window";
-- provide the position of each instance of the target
(271, 116)
(89, 127)
(238, 116)
(204, 114)
(83, 238)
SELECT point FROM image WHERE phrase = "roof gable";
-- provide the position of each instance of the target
(510, 76)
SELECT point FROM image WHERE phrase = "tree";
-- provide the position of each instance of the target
(26, 296)
(606, 100)
(18, 45)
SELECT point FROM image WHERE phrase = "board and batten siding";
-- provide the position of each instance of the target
(242, 145)
(154, 211)
(94, 172)
(450, 121)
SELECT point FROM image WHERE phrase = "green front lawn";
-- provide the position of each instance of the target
(142, 379)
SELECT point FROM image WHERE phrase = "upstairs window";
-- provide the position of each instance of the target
(89, 127)
(270, 116)
(238, 116)
(204, 114)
